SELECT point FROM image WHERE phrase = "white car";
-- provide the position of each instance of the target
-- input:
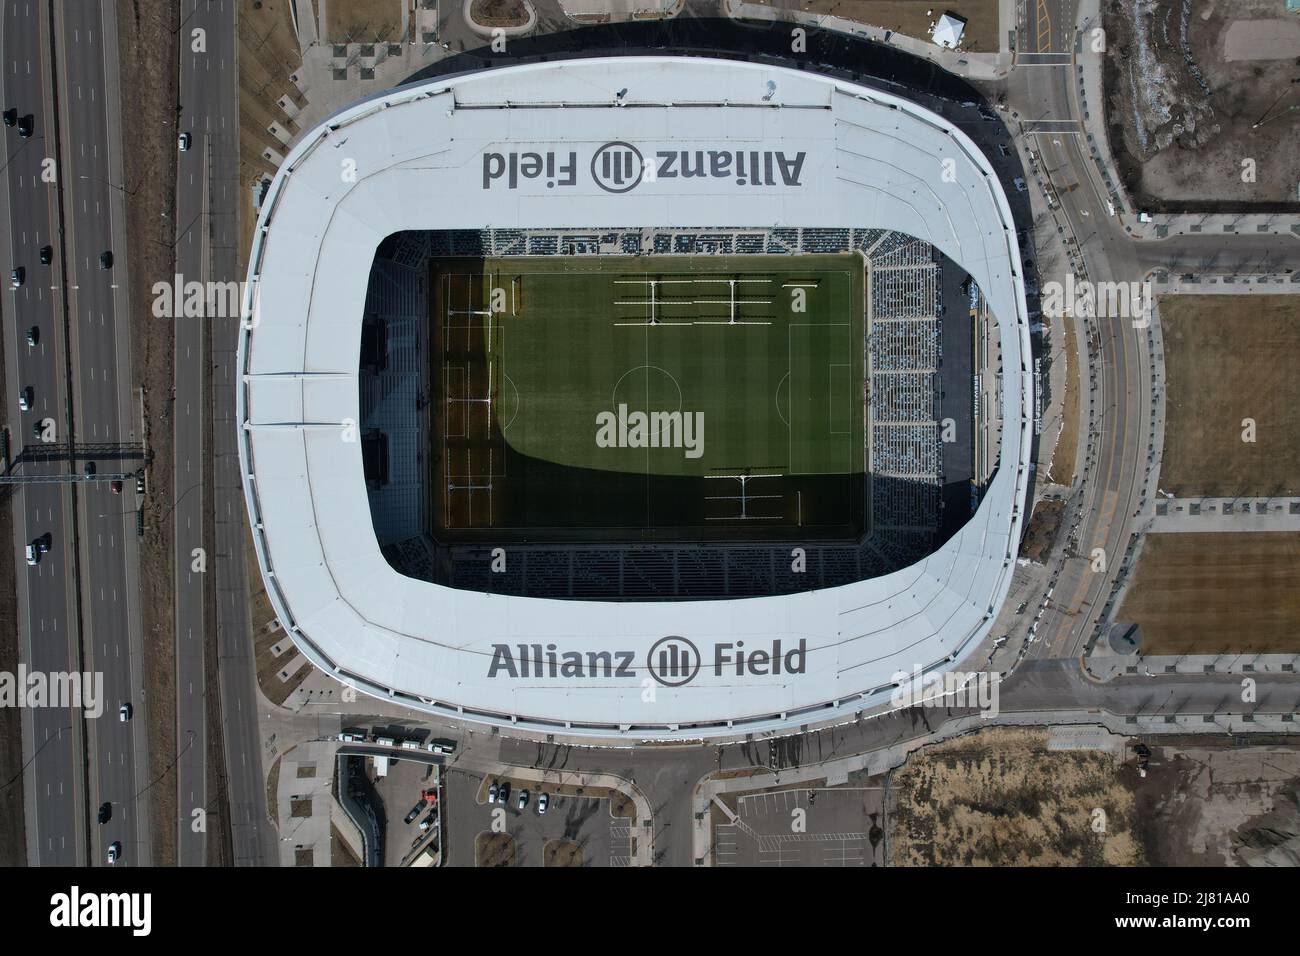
(183, 142)
(543, 801)
(25, 398)
(114, 851)
(33, 555)
(124, 713)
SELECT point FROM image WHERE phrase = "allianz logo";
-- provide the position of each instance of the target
(624, 429)
(620, 167)
(672, 661)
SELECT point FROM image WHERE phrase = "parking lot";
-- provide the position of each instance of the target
(839, 827)
(579, 828)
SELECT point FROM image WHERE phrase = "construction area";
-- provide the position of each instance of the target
(1200, 103)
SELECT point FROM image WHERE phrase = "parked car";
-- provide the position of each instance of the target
(523, 798)
(504, 795)
(415, 812)
(124, 712)
(105, 812)
(47, 255)
(543, 801)
(492, 792)
(26, 398)
(183, 142)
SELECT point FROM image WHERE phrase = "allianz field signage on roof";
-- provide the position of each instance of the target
(619, 167)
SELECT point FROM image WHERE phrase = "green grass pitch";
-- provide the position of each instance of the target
(674, 390)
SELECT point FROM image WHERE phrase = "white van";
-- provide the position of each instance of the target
(33, 555)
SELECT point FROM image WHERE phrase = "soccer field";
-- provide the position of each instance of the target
(652, 392)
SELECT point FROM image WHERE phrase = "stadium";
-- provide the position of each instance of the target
(638, 398)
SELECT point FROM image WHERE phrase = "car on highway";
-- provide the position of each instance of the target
(33, 336)
(124, 712)
(90, 469)
(523, 798)
(43, 543)
(38, 430)
(139, 490)
(105, 813)
(106, 259)
(47, 255)
(183, 142)
(116, 486)
(26, 398)
(543, 801)
(114, 851)
(1019, 184)
(16, 277)
(492, 792)
(33, 555)
(11, 116)
(26, 125)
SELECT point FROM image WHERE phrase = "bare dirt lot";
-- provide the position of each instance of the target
(363, 21)
(911, 18)
(1229, 358)
(1184, 111)
(1041, 532)
(1001, 798)
(1063, 334)
(1217, 593)
(1208, 803)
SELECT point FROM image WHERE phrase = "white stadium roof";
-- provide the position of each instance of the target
(870, 160)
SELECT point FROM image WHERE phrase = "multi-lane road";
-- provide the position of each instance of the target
(79, 606)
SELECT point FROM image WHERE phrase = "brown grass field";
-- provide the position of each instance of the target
(1001, 798)
(494, 849)
(363, 21)
(1217, 593)
(1228, 358)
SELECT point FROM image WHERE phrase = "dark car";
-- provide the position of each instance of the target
(89, 469)
(106, 259)
(11, 116)
(26, 125)
(45, 541)
(105, 812)
(38, 430)
(34, 336)
(47, 255)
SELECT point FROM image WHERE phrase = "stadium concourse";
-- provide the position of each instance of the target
(658, 142)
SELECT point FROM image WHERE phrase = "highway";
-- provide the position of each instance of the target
(206, 250)
(95, 220)
(79, 609)
(55, 795)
